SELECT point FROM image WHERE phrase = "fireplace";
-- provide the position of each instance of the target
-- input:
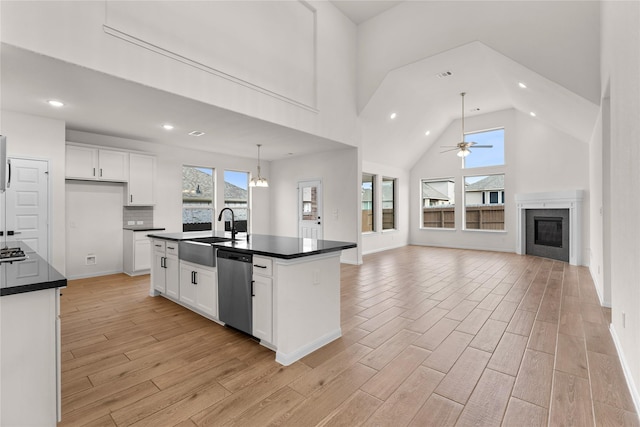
(547, 233)
(557, 233)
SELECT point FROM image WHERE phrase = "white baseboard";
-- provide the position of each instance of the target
(288, 359)
(627, 372)
(599, 289)
(387, 248)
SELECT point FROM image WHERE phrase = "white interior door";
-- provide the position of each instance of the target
(26, 205)
(310, 209)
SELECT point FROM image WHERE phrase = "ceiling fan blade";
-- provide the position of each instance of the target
(451, 149)
(483, 146)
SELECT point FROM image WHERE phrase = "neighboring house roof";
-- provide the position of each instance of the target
(492, 182)
(428, 192)
(198, 186)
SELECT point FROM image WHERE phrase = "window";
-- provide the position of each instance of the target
(368, 217)
(481, 157)
(388, 203)
(236, 197)
(484, 202)
(197, 198)
(438, 203)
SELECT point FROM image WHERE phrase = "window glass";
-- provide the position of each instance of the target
(388, 203)
(368, 217)
(236, 197)
(484, 202)
(197, 198)
(481, 157)
(438, 203)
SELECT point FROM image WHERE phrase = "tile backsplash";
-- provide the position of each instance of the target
(136, 214)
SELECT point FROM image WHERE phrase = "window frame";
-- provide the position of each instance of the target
(374, 217)
(453, 205)
(504, 161)
(485, 202)
(212, 207)
(248, 190)
(394, 209)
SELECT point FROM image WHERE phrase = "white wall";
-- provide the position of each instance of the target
(338, 171)
(621, 67)
(84, 42)
(382, 240)
(94, 228)
(44, 139)
(537, 159)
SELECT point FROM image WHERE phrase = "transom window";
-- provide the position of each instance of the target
(482, 157)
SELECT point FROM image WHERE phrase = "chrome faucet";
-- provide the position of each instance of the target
(233, 222)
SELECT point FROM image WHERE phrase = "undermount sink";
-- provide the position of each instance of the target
(212, 239)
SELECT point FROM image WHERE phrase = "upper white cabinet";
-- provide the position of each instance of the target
(84, 162)
(142, 171)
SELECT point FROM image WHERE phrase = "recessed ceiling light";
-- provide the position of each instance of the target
(532, 114)
(167, 126)
(444, 74)
(427, 133)
(393, 116)
(55, 103)
(196, 133)
(522, 85)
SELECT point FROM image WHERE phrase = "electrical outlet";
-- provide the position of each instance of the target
(90, 260)
(131, 222)
(139, 222)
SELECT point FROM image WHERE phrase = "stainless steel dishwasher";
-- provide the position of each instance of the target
(235, 289)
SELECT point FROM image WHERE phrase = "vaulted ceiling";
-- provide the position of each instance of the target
(489, 47)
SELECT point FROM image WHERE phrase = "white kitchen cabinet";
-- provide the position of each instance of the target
(165, 270)
(30, 358)
(83, 162)
(262, 304)
(199, 288)
(137, 252)
(141, 187)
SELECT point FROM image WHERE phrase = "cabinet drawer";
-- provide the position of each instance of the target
(262, 266)
(172, 247)
(159, 245)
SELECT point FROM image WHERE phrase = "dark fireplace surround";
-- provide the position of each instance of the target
(547, 233)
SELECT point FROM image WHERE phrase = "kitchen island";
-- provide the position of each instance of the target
(295, 286)
(29, 341)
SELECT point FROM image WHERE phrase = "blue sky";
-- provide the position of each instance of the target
(485, 156)
(239, 179)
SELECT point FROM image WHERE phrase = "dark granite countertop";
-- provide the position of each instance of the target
(267, 245)
(32, 274)
(142, 228)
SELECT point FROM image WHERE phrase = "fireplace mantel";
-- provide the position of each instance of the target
(571, 200)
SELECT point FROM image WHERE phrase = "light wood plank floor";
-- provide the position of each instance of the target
(431, 337)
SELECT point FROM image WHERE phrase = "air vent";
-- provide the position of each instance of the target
(196, 133)
(444, 74)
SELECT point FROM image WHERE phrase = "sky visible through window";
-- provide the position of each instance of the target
(480, 157)
(239, 179)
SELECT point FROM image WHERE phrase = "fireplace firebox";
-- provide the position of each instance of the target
(547, 233)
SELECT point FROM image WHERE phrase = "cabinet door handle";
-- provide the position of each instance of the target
(158, 246)
(259, 266)
(252, 282)
(94, 171)
(162, 262)
(100, 172)
(194, 277)
(170, 247)
(131, 198)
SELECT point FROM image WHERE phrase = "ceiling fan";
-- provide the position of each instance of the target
(463, 146)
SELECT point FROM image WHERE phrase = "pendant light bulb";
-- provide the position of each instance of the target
(258, 181)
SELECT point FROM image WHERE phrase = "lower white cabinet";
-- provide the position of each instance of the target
(30, 358)
(262, 304)
(165, 271)
(199, 288)
(137, 253)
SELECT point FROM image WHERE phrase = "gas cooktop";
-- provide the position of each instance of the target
(12, 254)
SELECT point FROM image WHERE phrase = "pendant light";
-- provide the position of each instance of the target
(258, 181)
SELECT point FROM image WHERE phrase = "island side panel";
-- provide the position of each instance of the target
(306, 305)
